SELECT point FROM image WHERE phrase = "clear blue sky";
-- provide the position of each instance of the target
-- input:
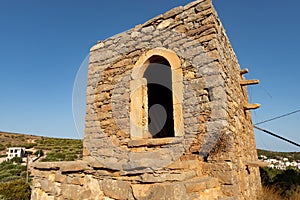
(43, 44)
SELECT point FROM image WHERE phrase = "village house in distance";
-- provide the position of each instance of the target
(13, 152)
(204, 147)
(21, 152)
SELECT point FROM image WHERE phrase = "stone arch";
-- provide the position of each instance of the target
(139, 98)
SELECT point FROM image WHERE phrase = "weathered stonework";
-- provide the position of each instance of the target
(213, 142)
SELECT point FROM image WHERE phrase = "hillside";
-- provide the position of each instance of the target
(71, 149)
(280, 184)
(55, 149)
(292, 156)
(15, 139)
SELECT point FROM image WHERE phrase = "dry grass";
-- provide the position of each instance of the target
(296, 196)
(271, 193)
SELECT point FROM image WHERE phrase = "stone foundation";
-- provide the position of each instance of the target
(79, 180)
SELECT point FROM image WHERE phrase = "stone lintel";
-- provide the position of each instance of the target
(154, 142)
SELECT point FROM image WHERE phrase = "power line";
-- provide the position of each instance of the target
(281, 116)
(275, 135)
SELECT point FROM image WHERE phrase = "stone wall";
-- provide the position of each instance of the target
(89, 180)
(213, 152)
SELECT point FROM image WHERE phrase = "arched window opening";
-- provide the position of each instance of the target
(156, 96)
(160, 98)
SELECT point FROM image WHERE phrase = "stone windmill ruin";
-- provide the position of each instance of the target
(167, 117)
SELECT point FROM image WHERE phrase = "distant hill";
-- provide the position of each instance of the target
(55, 149)
(12, 176)
(292, 156)
(58, 149)
(16, 140)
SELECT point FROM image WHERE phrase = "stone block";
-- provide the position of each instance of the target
(159, 191)
(153, 160)
(192, 4)
(151, 21)
(178, 120)
(195, 186)
(136, 105)
(201, 184)
(97, 46)
(229, 190)
(71, 191)
(186, 164)
(163, 177)
(147, 191)
(202, 59)
(74, 166)
(177, 89)
(204, 5)
(173, 12)
(153, 142)
(200, 30)
(116, 189)
(47, 165)
(175, 191)
(207, 38)
(165, 23)
(92, 185)
(59, 177)
(148, 29)
(75, 180)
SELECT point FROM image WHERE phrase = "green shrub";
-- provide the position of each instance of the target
(29, 145)
(10, 178)
(16, 160)
(23, 174)
(15, 190)
(39, 152)
(10, 171)
(71, 157)
(7, 165)
(268, 175)
(4, 175)
(286, 182)
(15, 172)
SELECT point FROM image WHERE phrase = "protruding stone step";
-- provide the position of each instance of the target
(249, 82)
(251, 106)
(256, 163)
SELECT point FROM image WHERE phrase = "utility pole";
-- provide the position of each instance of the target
(27, 169)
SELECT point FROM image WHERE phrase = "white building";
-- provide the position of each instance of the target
(281, 164)
(15, 152)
